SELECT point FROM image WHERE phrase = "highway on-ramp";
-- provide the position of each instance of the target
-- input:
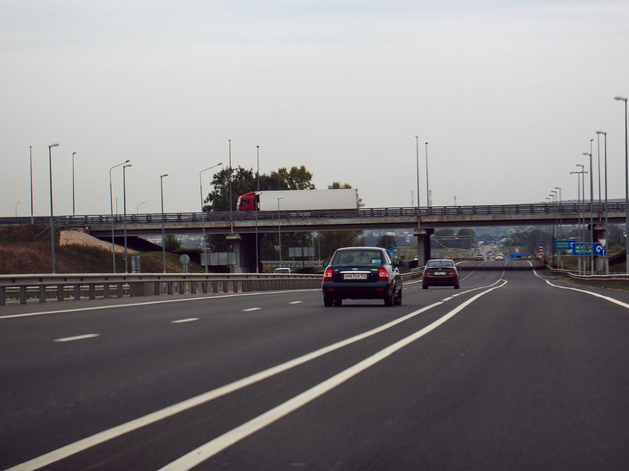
(516, 370)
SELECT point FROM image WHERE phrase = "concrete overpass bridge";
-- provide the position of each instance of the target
(242, 226)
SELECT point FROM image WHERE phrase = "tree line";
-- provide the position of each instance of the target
(228, 184)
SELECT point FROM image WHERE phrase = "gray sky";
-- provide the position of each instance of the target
(507, 93)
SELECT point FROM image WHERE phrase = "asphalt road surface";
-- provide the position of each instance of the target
(516, 370)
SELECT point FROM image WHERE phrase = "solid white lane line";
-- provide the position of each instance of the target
(101, 437)
(202, 453)
(106, 435)
(183, 321)
(251, 309)
(78, 337)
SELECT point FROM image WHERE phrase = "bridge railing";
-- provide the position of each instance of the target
(24, 289)
(226, 216)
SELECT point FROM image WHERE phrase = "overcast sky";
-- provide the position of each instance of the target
(508, 95)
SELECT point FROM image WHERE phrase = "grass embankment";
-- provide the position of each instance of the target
(21, 254)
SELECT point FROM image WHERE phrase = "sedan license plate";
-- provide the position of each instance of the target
(440, 273)
(355, 276)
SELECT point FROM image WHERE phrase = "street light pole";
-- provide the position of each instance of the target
(73, 200)
(427, 185)
(256, 210)
(605, 171)
(560, 225)
(554, 195)
(203, 215)
(279, 228)
(52, 220)
(230, 183)
(161, 184)
(580, 178)
(124, 204)
(30, 148)
(417, 156)
(619, 98)
(111, 207)
(589, 154)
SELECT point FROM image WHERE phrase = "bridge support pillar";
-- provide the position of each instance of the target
(423, 244)
(245, 247)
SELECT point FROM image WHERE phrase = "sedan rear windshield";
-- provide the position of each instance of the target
(357, 257)
(440, 263)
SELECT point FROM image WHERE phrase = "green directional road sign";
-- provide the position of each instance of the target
(564, 244)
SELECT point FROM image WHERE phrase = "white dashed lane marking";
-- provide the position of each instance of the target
(78, 337)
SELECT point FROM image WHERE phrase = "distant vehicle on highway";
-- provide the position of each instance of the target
(287, 271)
(499, 257)
(362, 273)
(440, 272)
(479, 257)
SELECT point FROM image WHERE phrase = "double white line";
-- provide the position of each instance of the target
(204, 452)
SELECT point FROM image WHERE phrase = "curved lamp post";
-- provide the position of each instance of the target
(589, 154)
(111, 207)
(124, 204)
(73, 199)
(417, 157)
(619, 98)
(203, 215)
(279, 227)
(52, 219)
(161, 183)
(30, 150)
(605, 170)
(560, 225)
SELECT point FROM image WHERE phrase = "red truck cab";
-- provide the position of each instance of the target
(246, 202)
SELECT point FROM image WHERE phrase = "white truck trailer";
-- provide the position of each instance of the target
(299, 200)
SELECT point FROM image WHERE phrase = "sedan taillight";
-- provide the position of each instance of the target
(328, 274)
(382, 274)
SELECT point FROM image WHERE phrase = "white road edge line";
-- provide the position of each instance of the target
(105, 435)
(591, 293)
(202, 453)
(251, 309)
(183, 321)
(78, 337)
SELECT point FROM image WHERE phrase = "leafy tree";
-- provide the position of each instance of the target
(295, 178)
(338, 185)
(444, 232)
(332, 240)
(245, 180)
(467, 238)
(171, 243)
(242, 180)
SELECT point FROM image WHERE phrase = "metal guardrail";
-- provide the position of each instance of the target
(236, 216)
(24, 289)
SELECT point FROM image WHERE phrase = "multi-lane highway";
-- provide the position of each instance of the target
(516, 370)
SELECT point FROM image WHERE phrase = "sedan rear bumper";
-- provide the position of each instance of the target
(378, 290)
